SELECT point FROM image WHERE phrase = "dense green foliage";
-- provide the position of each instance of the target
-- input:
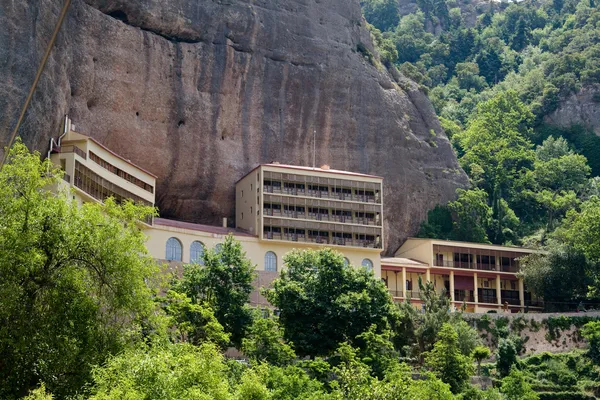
(223, 282)
(72, 284)
(493, 75)
(317, 315)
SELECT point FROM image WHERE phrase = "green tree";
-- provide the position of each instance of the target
(479, 354)
(468, 337)
(447, 362)
(591, 333)
(515, 387)
(438, 224)
(497, 150)
(581, 230)
(559, 277)
(163, 371)
(224, 283)
(435, 306)
(377, 351)
(73, 285)
(264, 342)
(506, 356)
(316, 314)
(381, 13)
(472, 216)
(193, 323)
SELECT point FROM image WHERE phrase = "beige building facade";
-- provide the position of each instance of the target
(96, 173)
(477, 276)
(280, 208)
(300, 207)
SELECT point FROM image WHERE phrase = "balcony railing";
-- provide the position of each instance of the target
(74, 149)
(321, 240)
(396, 293)
(534, 303)
(477, 266)
(269, 212)
(413, 294)
(67, 178)
(322, 194)
(488, 299)
(460, 295)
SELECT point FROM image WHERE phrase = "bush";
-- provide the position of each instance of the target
(564, 396)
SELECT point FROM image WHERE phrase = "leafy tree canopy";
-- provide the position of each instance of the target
(324, 302)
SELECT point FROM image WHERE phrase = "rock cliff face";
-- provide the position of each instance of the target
(199, 92)
(581, 108)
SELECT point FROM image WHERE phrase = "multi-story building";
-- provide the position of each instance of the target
(284, 207)
(290, 206)
(96, 173)
(481, 276)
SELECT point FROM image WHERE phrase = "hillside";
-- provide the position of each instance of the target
(503, 78)
(201, 92)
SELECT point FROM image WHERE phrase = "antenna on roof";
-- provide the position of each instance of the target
(315, 148)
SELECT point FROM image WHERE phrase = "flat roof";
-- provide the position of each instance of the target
(403, 261)
(457, 243)
(219, 230)
(315, 169)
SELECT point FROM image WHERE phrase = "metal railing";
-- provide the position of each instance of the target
(396, 293)
(488, 299)
(321, 194)
(462, 296)
(74, 149)
(476, 266)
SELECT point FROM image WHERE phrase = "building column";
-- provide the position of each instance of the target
(452, 286)
(428, 275)
(521, 292)
(498, 289)
(404, 282)
(475, 293)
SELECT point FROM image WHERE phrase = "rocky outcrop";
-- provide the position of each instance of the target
(581, 108)
(199, 92)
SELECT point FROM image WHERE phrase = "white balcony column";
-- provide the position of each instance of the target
(521, 292)
(404, 282)
(498, 289)
(452, 286)
(428, 275)
(475, 294)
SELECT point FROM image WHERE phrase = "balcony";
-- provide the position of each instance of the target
(477, 266)
(413, 294)
(67, 178)
(396, 293)
(461, 295)
(488, 299)
(322, 240)
(330, 194)
(74, 149)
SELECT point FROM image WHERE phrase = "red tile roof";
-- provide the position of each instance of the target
(219, 230)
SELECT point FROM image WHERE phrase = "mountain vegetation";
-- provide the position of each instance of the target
(493, 72)
(86, 314)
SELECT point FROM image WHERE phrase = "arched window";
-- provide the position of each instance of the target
(174, 249)
(197, 253)
(368, 264)
(270, 261)
(346, 262)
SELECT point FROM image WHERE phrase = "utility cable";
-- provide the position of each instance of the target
(49, 47)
